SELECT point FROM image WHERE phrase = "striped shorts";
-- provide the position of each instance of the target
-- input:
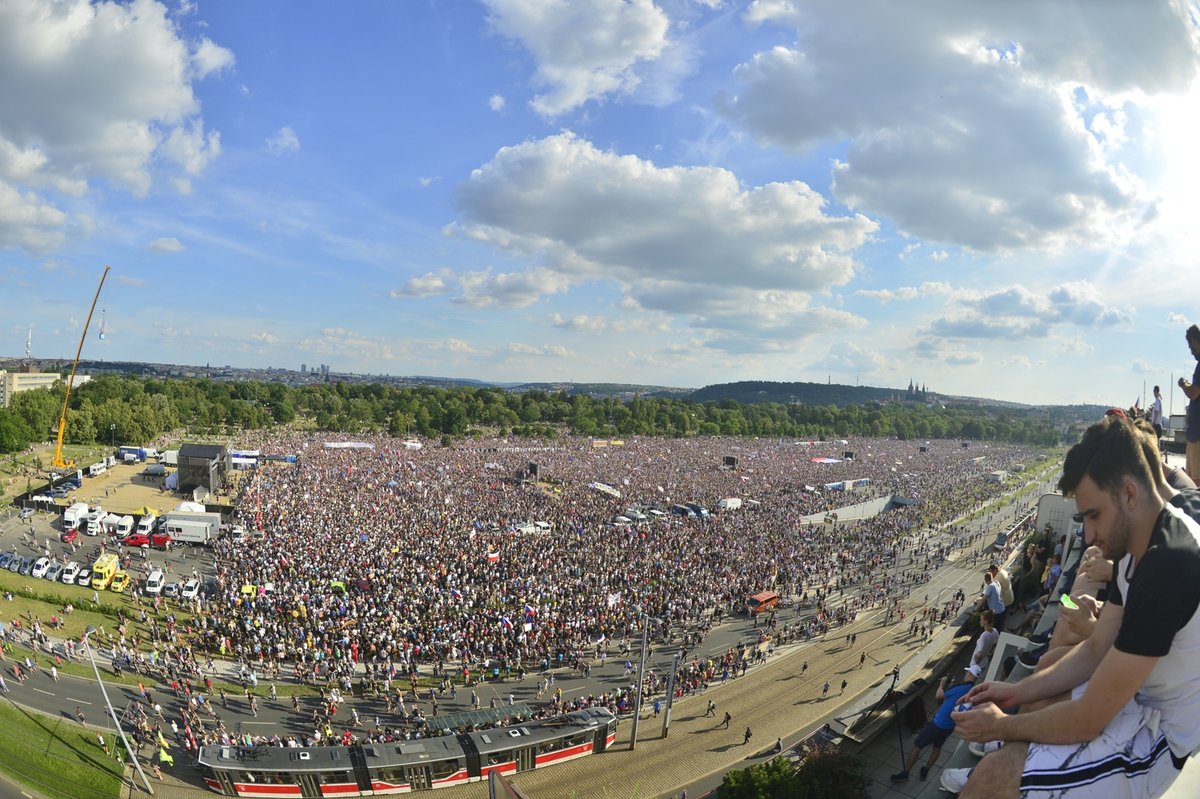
(1130, 758)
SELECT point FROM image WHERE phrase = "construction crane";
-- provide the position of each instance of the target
(58, 462)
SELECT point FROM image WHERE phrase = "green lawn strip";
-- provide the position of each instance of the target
(56, 756)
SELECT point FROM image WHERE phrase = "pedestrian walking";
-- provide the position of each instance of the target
(844, 684)
(728, 718)
(712, 708)
(749, 734)
(825, 690)
(79, 715)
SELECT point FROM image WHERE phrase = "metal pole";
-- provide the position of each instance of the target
(670, 694)
(641, 675)
(113, 714)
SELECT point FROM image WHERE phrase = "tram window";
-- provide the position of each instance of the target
(395, 775)
(334, 777)
(500, 757)
(247, 776)
(581, 738)
(443, 768)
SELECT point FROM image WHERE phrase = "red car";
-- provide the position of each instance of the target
(136, 540)
(69, 535)
(160, 540)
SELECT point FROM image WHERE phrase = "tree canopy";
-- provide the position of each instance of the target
(132, 409)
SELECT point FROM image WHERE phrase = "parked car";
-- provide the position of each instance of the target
(27, 564)
(15, 563)
(58, 492)
(40, 566)
(120, 582)
(69, 573)
(85, 577)
(160, 540)
(171, 590)
(136, 540)
(54, 572)
(191, 589)
(5, 558)
(26, 513)
(69, 535)
(154, 582)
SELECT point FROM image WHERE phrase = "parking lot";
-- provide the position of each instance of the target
(121, 490)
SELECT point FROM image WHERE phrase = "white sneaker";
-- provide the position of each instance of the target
(955, 779)
(981, 748)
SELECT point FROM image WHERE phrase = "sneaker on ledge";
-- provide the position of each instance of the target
(900, 777)
(981, 748)
(955, 779)
(924, 773)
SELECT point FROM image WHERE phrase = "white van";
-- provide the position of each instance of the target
(154, 583)
(94, 524)
(125, 526)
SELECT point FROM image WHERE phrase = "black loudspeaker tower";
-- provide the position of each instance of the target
(848, 455)
(532, 470)
(966, 444)
(924, 449)
(730, 461)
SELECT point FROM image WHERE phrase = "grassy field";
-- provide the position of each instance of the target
(56, 756)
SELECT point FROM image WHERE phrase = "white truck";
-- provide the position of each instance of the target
(125, 526)
(75, 516)
(730, 503)
(192, 527)
(147, 523)
(170, 458)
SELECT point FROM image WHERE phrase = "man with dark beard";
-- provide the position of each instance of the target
(1119, 714)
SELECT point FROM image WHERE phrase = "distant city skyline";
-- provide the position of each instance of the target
(994, 200)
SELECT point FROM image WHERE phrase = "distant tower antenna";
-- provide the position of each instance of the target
(29, 343)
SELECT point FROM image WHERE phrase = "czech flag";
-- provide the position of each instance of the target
(505, 622)
(454, 592)
(530, 610)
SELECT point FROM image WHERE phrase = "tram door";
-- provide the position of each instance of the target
(418, 777)
(226, 780)
(525, 758)
(310, 785)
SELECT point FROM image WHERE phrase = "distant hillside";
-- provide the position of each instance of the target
(754, 391)
(618, 390)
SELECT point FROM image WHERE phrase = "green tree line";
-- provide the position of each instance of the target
(129, 409)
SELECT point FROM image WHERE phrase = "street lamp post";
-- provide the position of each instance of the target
(641, 675)
(112, 713)
(112, 429)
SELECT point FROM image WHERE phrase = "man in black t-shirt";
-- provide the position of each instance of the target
(1120, 713)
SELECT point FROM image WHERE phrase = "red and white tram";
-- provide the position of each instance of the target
(404, 766)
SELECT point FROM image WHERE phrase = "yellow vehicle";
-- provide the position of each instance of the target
(104, 569)
(120, 582)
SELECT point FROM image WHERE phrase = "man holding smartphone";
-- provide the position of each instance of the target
(1119, 714)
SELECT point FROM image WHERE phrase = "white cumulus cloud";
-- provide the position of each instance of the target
(584, 49)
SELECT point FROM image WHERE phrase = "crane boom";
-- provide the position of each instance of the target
(58, 462)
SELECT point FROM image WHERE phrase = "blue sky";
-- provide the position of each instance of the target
(992, 199)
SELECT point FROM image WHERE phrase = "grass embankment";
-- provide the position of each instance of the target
(33, 598)
(56, 756)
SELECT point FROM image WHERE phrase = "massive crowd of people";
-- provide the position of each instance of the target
(396, 557)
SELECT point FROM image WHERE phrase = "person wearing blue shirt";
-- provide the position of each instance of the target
(938, 730)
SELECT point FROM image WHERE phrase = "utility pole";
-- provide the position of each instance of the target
(112, 713)
(670, 694)
(641, 675)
